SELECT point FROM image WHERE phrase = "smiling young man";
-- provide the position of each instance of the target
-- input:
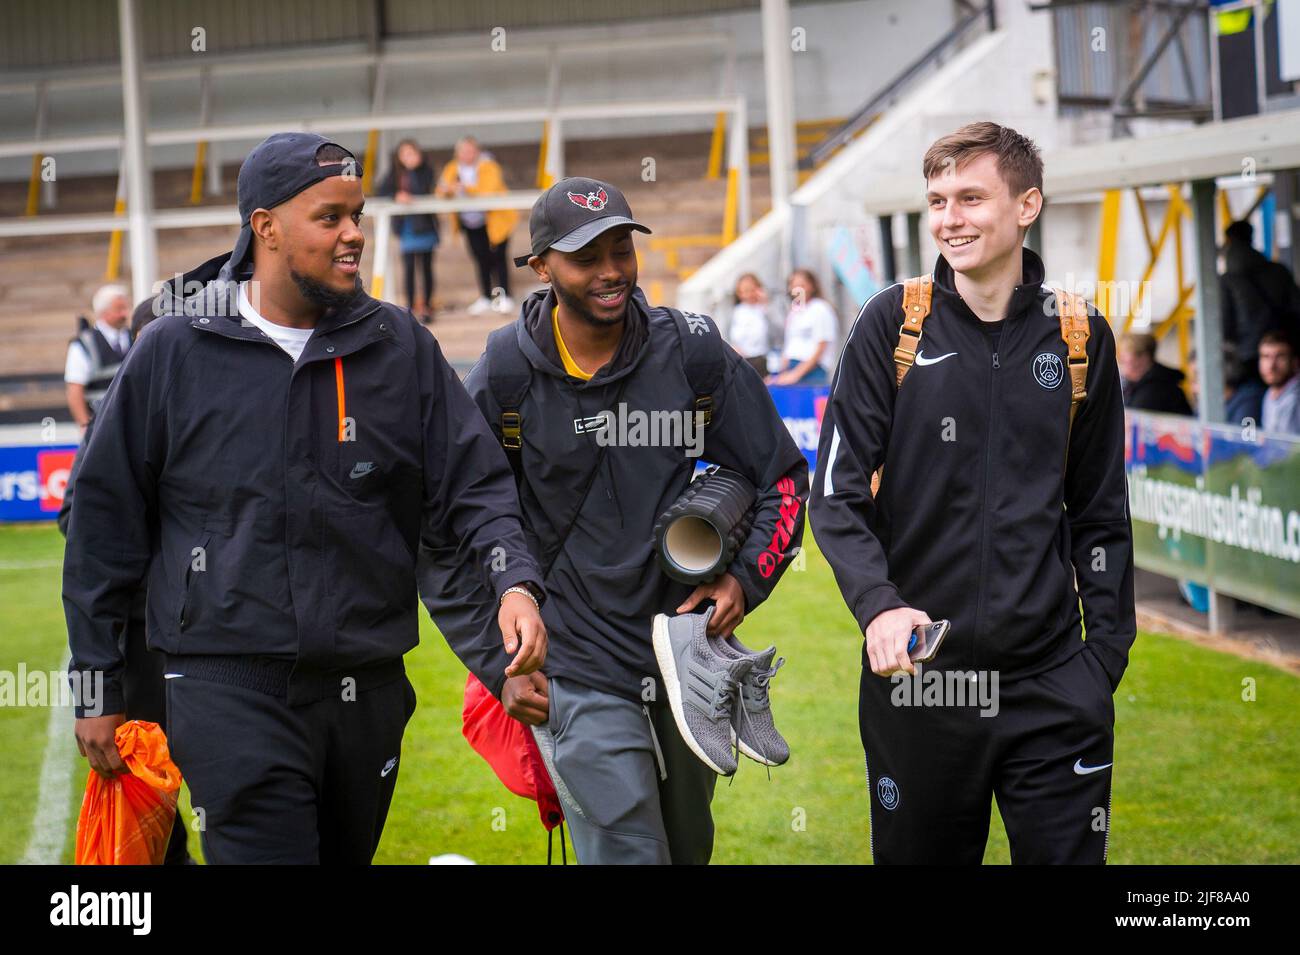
(1002, 504)
(272, 455)
(587, 347)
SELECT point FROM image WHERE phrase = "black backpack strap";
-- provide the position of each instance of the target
(702, 357)
(509, 376)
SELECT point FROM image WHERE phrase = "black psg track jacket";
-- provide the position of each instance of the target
(979, 518)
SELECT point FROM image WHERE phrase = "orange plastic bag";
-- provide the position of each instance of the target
(128, 820)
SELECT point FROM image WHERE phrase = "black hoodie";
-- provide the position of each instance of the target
(1256, 295)
(277, 507)
(1160, 389)
(977, 519)
(605, 587)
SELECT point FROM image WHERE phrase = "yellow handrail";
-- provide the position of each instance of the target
(113, 269)
(372, 148)
(715, 146)
(34, 186)
(196, 178)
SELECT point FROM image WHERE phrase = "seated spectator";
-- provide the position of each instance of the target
(474, 172)
(1277, 367)
(417, 235)
(1257, 295)
(1243, 394)
(97, 351)
(748, 332)
(811, 335)
(1146, 384)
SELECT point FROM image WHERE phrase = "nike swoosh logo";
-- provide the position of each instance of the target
(922, 360)
(388, 767)
(1082, 770)
(361, 470)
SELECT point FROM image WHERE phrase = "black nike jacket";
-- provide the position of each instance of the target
(277, 507)
(979, 519)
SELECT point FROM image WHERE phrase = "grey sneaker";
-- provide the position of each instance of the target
(755, 730)
(703, 688)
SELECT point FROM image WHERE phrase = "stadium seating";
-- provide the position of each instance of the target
(47, 282)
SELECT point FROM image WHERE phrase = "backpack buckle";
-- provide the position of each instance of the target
(704, 409)
(511, 432)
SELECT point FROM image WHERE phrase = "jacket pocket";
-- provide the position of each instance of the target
(197, 563)
(624, 590)
(371, 570)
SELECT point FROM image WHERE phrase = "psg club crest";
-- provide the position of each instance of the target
(1048, 370)
(887, 792)
(592, 201)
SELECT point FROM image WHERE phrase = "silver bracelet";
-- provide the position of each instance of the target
(519, 590)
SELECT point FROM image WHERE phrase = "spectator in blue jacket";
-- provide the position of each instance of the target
(411, 177)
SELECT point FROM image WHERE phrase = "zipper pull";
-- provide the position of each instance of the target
(995, 360)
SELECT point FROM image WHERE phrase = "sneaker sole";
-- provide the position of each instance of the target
(747, 751)
(672, 686)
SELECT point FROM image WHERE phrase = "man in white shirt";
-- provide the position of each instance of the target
(97, 351)
(1277, 368)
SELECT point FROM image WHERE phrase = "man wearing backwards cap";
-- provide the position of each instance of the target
(273, 454)
(587, 345)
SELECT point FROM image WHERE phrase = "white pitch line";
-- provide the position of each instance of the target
(30, 564)
(54, 796)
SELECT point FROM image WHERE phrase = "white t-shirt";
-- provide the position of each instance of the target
(807, 326)
(469, 177)
(748, 333)
(76, 369)
(292, 340)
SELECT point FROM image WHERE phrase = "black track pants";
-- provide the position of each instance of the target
(490, 260)
(1046, 755)
(288, 784)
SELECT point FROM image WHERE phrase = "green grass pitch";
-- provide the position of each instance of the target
(1201, 775)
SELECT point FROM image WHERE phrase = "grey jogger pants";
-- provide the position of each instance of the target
(632, 792)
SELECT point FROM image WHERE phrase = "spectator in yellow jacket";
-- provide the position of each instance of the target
(473, 172)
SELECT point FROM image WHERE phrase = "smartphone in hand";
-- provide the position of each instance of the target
(926, 640)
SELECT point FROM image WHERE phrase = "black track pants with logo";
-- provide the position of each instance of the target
(933, 770)
(288, 784)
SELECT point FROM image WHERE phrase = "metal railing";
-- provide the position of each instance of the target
(381, 211)
(864, 115)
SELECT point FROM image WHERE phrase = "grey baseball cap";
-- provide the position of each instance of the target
(573, 212)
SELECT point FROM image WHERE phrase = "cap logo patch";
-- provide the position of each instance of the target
(593, 201)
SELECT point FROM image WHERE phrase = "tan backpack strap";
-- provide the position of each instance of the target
(916, 306)
(1072, 310)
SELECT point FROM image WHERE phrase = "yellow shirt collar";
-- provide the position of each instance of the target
(570, 366)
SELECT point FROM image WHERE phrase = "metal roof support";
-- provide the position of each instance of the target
(738, 162)
(1209, 328)
(1125, 103)
(1209, 335)
(888, 261)
(49, 185)
(778, 74)
(139, 188)
(914, 264)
